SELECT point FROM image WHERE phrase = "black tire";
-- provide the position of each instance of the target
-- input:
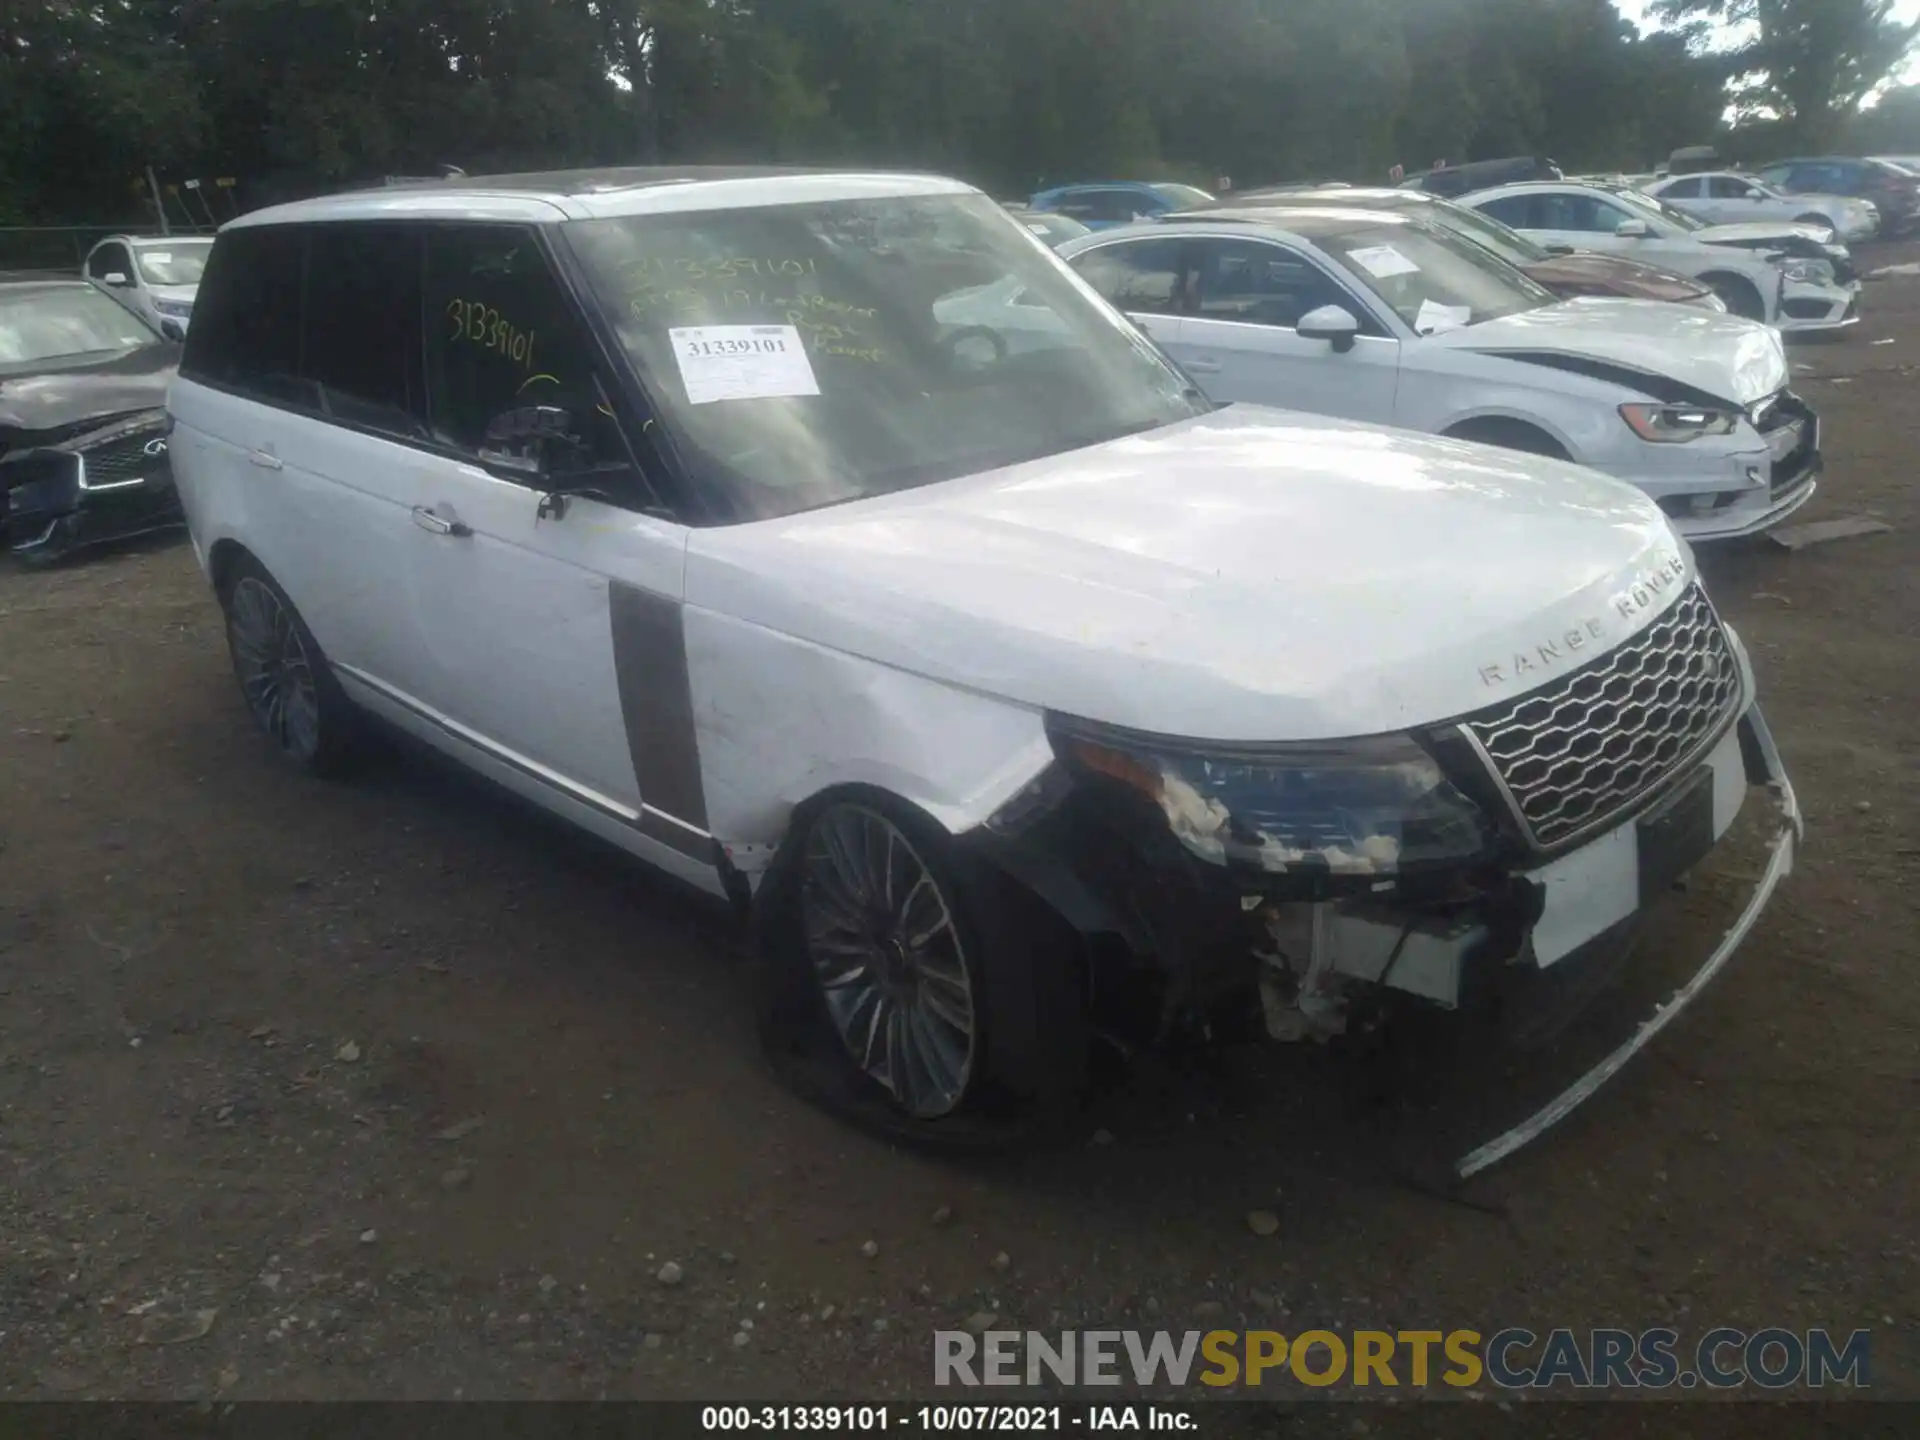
(1027, 1057)
(1510, 435)
(1739, 295)
(289, 690)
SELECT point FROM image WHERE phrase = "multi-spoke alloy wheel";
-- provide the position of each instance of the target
(276, 675)
(883, 948)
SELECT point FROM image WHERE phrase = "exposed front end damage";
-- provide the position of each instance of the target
(85, 483)
(1315, 890)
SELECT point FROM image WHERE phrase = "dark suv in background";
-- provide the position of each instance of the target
(1894, 190)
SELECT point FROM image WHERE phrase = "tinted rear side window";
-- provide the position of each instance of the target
(363, 326)
(246, 317)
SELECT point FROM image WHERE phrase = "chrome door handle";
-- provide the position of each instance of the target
(264, 460)
(1204, 367)
(439, 524)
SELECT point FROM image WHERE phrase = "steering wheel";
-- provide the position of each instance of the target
(951, 342)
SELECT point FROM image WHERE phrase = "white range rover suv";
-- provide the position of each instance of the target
(994, 681)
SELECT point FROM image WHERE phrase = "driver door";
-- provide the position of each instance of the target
(549, 638)
(1240, 343)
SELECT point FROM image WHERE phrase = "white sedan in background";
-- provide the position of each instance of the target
(1378, 317)
(1726, 197)
(156, 277)
(1795, 277)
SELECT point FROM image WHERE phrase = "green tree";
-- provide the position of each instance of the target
(1809, 62)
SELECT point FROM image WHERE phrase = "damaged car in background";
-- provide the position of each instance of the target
(1798, 278)
(83, 429)
(1018, 694)
(1567, 272)
(1380, 317)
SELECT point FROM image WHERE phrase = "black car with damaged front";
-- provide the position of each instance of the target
(83, 425)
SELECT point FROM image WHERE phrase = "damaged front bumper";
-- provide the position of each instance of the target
(108, 483)
(1311, 946)
(1763, 770)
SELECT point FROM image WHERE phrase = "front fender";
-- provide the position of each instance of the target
(779, 720)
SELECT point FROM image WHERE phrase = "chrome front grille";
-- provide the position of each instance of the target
(1582, 750)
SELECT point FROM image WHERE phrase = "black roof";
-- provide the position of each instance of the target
(616, 177)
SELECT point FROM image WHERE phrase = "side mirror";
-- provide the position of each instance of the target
(1631, 230)
(173, 330)
(117, 280)
(532, 443)
(1333, 323)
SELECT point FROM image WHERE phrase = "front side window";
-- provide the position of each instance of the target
(1519, 212)
(1139, 276)
(1433, 280)
(1688, 189)
(1577, 210)
(1662, 217)
(65, 322)
(363, 326)
(109, 260)
(174, 262)
(1728, 187)
(805, 355)
(502, 336)
(1259, 284)
(246, 318)
(1509, 244)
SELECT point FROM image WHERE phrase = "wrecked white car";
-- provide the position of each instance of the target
(1001, 684)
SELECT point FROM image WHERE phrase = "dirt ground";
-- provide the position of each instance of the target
(393, 1090)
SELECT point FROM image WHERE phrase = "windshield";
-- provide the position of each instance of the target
(1656, 208)
(1433, 279)
(174, 262)
(1509, 244)
(805, 355)
(1184, 194)
(53, 324)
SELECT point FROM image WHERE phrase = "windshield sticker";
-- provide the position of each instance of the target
(741, 362)
(1037, 229)
(158, 257)
(1433, 318)
(1383, 261)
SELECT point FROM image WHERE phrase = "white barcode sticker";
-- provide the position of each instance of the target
(1383, 261)
(741, 362)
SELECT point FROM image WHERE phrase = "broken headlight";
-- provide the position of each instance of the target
(1676, 424)
(1354, 807)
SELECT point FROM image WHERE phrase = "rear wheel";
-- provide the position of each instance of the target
(905, 986)
(1740, 296)
(290, 691)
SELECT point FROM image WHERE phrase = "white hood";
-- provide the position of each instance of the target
(1729, 358)
(1748, 231)
(1252, 574)
(181, 294)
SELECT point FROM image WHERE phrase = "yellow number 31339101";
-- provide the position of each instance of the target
(473, 322)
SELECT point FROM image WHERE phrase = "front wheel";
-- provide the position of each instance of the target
(1739, 296)
(906, 986)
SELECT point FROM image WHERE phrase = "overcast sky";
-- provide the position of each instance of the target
(1635, 10)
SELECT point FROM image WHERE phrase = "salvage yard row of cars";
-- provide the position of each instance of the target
(1048, 647)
